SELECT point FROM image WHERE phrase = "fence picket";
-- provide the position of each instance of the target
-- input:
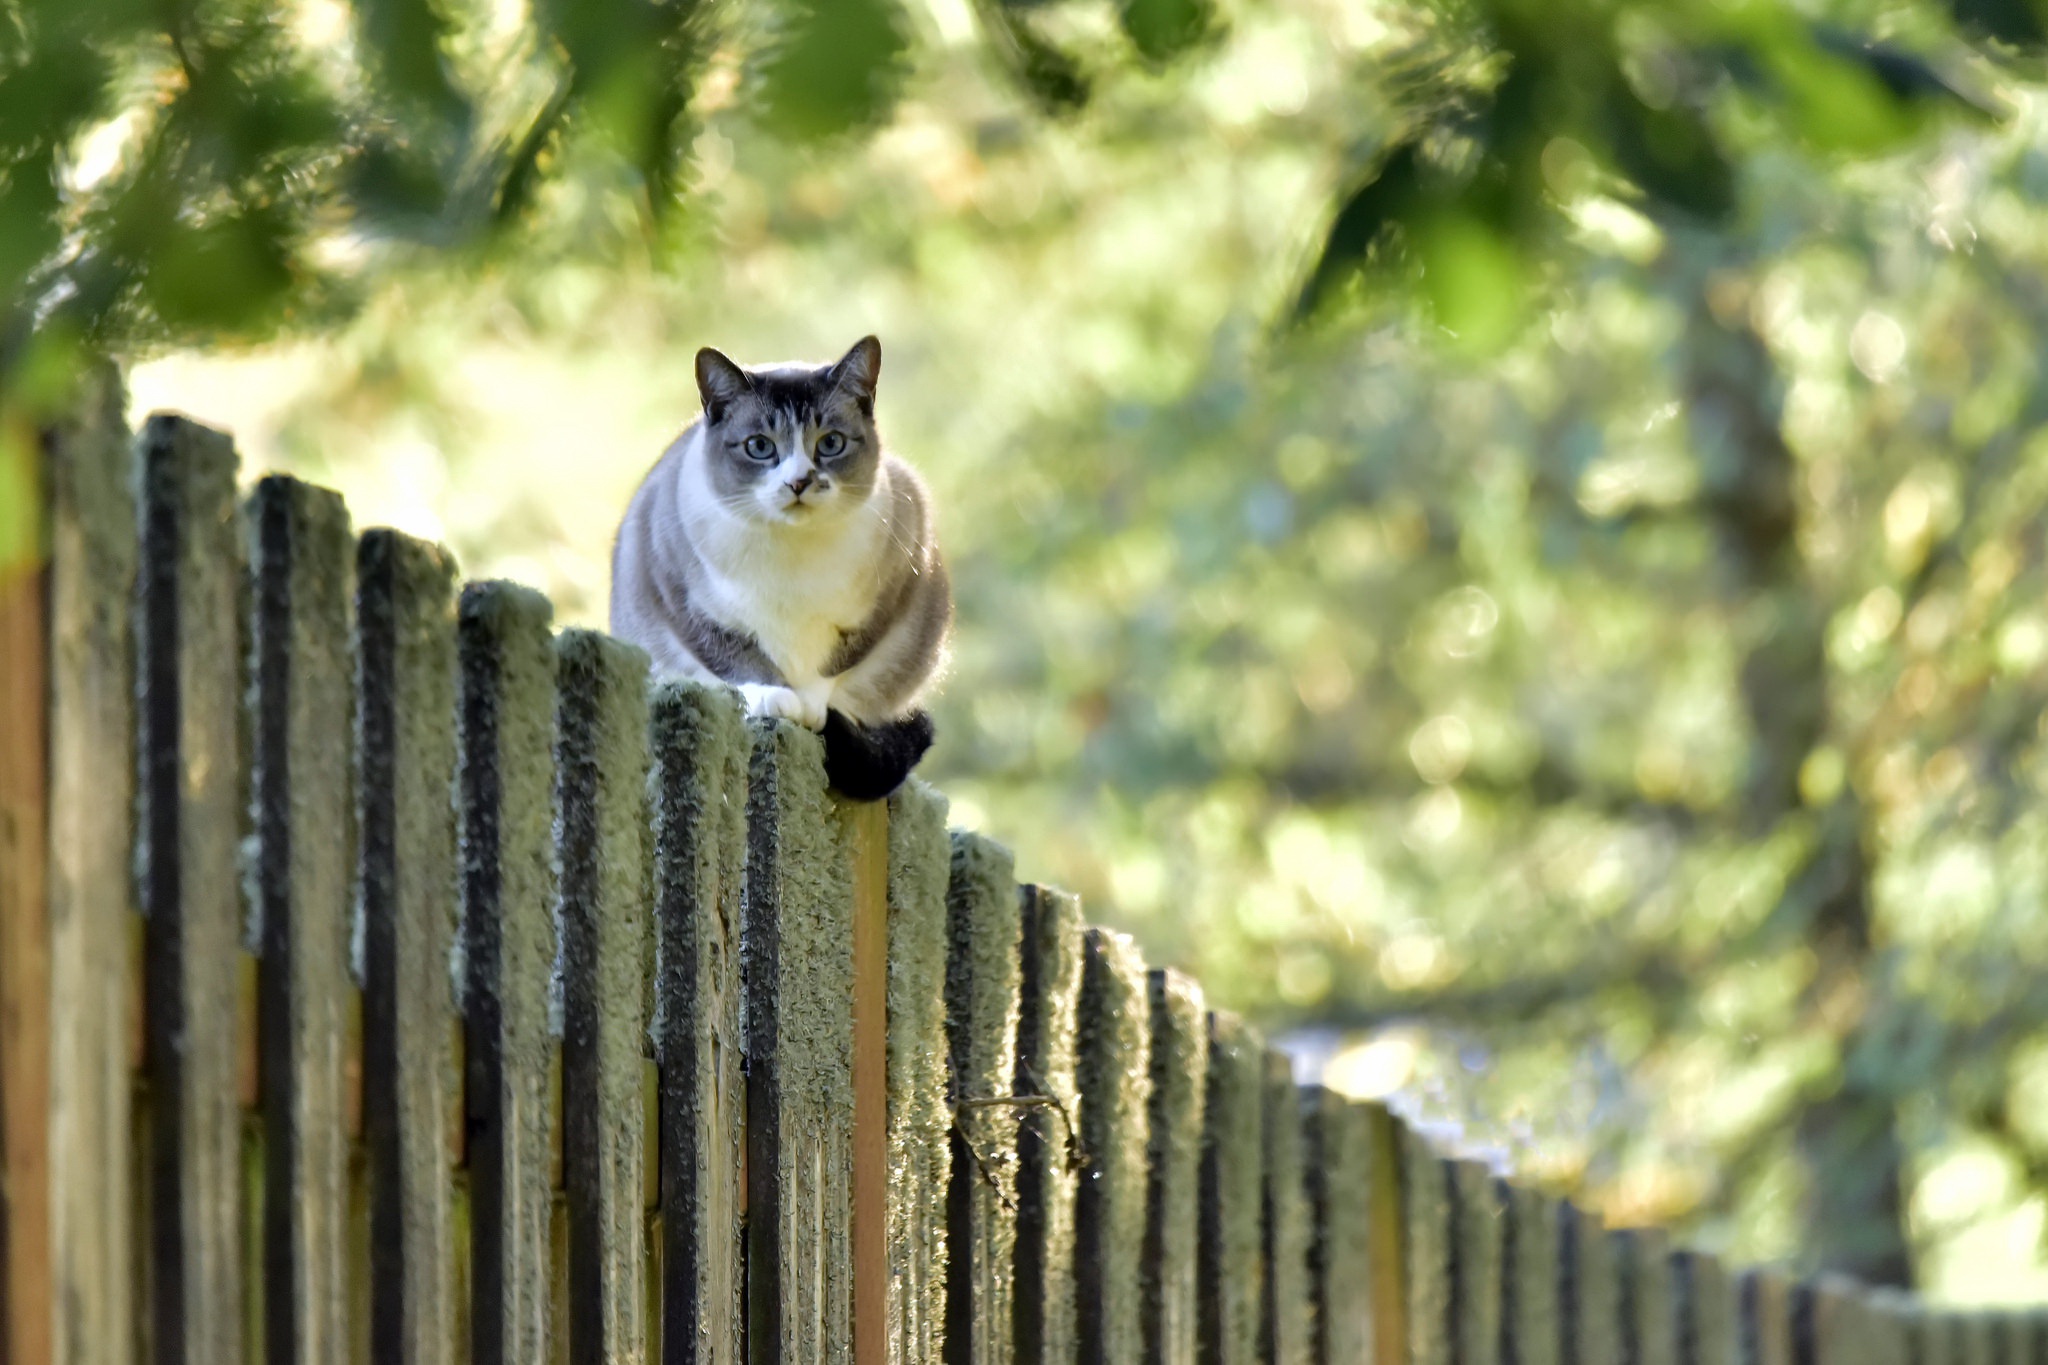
(1763, 1312)
(1386, 1217)
(299, 547)
(1429, 1202)
(701, 749)
(1113, 1069)
(1642, 1270)
(1230, 1260)
(1286, 1327)
(1703, 1310)
(1180, 1055)
(191, 802)
(1478, 1262)
(92, 919)
(601, 822)
(405, 764)
(798, 973)
(507, 949)
(1048, 1133)
(1337, 1170)
(1529, 1275)
(919, 1119)
(982, 984)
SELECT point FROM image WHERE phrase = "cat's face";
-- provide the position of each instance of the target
(792, 444)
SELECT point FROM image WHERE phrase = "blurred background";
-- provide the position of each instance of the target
(1503, 536)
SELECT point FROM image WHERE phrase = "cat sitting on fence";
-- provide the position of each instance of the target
(776, 546)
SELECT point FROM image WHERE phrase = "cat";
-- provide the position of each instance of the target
(777, 546)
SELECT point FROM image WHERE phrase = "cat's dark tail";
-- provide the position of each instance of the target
(868, 762)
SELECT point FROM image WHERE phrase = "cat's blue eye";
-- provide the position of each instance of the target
(831, 443)
(760, 448)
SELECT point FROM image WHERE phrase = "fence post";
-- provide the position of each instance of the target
(701, 750)
(866, 826)
(1387, 1221)
(191, 802)
(28, 1286)
(919, 1119)
(1286, 1329)
(1339, 1257)
(1642, 1265)
(83, 652)
(798, 970)
(1048, 1133)
(299, 548)
(1762, 1306)
(1703, 1309)
(606, 955)
(507, 948)
(1430, 1205)
(1180, 1055)
(1113, 1067)
(1479, 1258)
(982, 983)
(1529, 1275)
(1231, 1258)
(405, 767)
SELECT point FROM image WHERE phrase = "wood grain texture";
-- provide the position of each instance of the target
(1338, 1174)
(1168, 1283)
(919, 1118)
(1286, 1328)
(506, 949)
(1703, 1309)
(192, 797)
(302, 571)
(27, 1268)
(982, 986)
(1479, 1262)
(798, 954)
(866, 829)
(606, 969)
(1113, 1069)
(405, 768)
(1230, 1255)
(1429, 1231)
(1529, 1275)
(93, 921)
(1386, 1215)
(1048, 1129)
(701, 750)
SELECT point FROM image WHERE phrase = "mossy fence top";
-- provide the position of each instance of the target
(644, 1046)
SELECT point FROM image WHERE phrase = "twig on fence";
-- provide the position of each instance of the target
(1077, 1157)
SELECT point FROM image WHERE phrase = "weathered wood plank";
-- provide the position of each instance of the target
(1763, 1303)
(302, 572)
(1703, 1310)
(1339, 1173)
(91, 887)
(405, 768)
(1230, 1258)
(27, 1266)
(1479, 1263)
(1529, 1276)
(1048, 1131)
(920, 1120)
(1642, 1266)
(798, 954)
(505, 780)
(1113, 1070)
(1285, 1331)
(1386, 1216)
(601, 823)
(1180, 1062)
(982, 985)
(866, 825)
(1598, 1293)
(701, 752)
(1430, 1203)
(191, 802)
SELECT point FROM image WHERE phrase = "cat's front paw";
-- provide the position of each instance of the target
(784, 703)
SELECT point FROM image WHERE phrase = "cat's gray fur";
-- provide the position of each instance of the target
(778, 547)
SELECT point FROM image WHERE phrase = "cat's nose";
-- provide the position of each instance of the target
(798, 484)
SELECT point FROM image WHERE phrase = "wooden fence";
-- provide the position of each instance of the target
(389, 977)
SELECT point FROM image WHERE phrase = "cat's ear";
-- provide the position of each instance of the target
(719, 381)
(858, 370)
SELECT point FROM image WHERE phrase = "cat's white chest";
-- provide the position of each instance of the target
(796, 593)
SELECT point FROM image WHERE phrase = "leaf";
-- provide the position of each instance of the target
(1051, 76)
(1473, 275)
(1378, 202)
(1163, 29)
(405, 40)
(1670, 155)
(229, 275)
(836, 68)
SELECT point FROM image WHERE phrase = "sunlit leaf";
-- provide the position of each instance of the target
(1474, 277)
(835, 68)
